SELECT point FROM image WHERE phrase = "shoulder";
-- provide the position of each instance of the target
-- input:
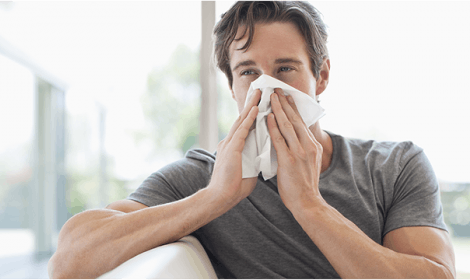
(376, 152)
(201, 156)
(196, 162)
(176, 180)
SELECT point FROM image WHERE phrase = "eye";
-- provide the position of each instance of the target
(285, 69)
(247, 72)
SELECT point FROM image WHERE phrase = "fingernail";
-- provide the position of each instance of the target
(290, 99)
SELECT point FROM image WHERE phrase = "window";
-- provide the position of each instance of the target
(16, 158)
(142, 112)
(105, 137)
(32, 162)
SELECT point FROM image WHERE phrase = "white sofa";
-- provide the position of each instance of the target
(185, 258)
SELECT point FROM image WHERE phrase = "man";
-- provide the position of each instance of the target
(338, 207)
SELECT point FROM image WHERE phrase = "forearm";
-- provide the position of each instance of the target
(354, 255)
(94, 242)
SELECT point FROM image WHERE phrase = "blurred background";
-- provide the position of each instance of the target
(95, 96)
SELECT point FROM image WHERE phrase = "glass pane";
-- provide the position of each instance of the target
(16, 167)
(82, 154)
(141, 115)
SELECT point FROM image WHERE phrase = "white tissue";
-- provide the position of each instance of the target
(259, 154)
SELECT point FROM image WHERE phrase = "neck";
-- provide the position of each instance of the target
(327, 144)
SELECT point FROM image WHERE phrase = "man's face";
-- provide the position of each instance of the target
(278, 50)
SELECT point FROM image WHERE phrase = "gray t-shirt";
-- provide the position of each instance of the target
(379, 186)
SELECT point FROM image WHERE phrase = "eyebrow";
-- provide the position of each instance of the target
(244, 63)
(287, 60)
(278, 61)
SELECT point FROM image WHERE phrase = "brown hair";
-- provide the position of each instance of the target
(247, 13)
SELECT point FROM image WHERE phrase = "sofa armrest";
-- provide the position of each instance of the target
(185, 258)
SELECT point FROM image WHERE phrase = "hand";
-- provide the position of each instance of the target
(299, 154)
(227, 176)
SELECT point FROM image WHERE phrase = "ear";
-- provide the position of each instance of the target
(324, 76)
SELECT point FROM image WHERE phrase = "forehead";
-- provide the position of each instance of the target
(270, 41)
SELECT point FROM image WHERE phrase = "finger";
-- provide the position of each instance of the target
(290, 109)
(291, 102)
(294, 106)
(278, 140)
(305, 141)
(285, 126)
(290, 112)
(239, 137)
(253, 101)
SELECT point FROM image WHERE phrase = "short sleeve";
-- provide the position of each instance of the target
(177, 180)
(416, 198)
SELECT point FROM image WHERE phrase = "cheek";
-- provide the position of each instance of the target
(312, 88)
(240, 90)
(240, 97)
(306, 85)
(241, 105)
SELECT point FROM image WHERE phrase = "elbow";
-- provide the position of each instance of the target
(52, 270)
(62, 267)
(448, 273)
(440, 270)
(443, 273)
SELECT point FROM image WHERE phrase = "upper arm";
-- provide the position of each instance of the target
(126, 206)
(429, 242)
